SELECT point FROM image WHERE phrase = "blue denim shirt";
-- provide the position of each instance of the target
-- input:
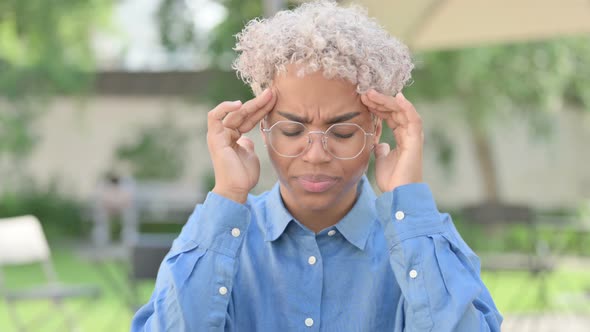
(393, 263)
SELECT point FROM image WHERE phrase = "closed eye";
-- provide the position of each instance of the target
(343, 135)
(292, 133)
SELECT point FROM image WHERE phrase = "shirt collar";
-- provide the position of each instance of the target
(355, 226)
(277, 215)
(357, 223)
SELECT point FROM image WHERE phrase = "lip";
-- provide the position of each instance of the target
(316, 183)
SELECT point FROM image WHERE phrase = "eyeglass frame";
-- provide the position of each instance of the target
(324, 138)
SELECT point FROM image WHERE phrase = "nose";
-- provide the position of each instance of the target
(315, 152)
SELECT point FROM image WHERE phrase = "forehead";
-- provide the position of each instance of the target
(315, 97)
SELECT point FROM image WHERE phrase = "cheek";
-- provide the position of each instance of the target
(280, 164)
(359, 165)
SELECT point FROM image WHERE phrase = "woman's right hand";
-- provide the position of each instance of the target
(236, 166)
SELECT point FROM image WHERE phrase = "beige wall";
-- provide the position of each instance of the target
(78, 141)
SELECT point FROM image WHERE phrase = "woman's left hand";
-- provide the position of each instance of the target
(402, 165)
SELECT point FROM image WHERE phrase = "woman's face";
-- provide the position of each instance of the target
(315, 180)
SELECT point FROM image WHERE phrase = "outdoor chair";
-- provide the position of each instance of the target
(495, 217)
(534, 260)
(23, 242)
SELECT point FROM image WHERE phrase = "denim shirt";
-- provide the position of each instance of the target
(393, 263)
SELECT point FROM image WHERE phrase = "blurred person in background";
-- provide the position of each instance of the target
(320, 251)
(114, 199)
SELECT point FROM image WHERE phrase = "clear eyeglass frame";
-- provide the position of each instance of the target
(324, 134)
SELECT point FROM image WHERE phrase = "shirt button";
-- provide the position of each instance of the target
(311, 260)
(235, 232)
(413, 274)
(400, 215)
(308, 322)
(222, 290)
(331, 233)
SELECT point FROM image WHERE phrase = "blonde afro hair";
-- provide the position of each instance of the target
(342, 42)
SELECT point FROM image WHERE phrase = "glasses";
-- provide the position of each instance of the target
(341, 140)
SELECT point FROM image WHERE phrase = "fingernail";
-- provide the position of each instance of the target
(237, 102)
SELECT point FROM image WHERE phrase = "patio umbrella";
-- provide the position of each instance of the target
(446, 24)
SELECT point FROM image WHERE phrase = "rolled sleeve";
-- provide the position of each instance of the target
(201, 262)
(408, 211)
(436, 270)
(219, 225)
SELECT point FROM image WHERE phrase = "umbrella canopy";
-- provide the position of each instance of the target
(446, 24)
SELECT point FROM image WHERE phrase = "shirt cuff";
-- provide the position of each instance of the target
(219, 224)
(409, 211)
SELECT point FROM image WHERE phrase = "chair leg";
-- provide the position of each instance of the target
(68, 319)
(19, 324)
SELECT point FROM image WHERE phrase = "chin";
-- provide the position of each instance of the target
(316, 202)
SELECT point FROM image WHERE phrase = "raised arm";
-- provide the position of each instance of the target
(195, 280)
(439, 275)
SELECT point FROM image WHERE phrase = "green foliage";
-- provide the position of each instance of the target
(44, 50)
(175, 33)
(221, 43)
(46, 44)
(157, 154)
(522, 238)
(497, 84)
(16, 136)
(60, 214)
(222, 38)
(528, 78)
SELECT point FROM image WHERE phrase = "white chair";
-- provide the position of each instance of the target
(22, 242)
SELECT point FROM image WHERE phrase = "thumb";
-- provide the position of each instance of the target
(246, 143)
(382, 150)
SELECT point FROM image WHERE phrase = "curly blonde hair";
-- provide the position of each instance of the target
(342, 42)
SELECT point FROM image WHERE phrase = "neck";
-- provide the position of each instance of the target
(319, 219)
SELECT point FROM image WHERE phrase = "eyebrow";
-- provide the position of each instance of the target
(336, 119)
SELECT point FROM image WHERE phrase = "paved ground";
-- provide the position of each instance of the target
(546, 323)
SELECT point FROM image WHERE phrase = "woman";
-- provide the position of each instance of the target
(320, 251)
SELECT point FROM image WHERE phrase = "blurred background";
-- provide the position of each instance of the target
(103, 152)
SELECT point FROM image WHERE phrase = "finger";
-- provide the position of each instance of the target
(255, 118)
(235, 119)
(246, 143)
(393, 117)
(372, 104)
(382, 111)
(404, 113)
(407, 107)
(393, 120)
(215, 116)
(382, 150)
(414, 121)
(380, 99)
